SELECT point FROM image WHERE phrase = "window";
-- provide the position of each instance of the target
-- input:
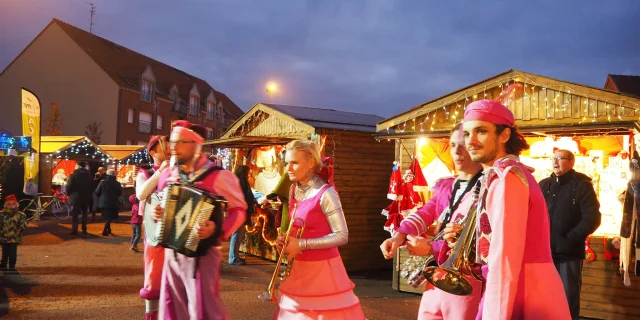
(130, 116)
(209, 134)
(193, 106)
(159, 122)
(211, 110)
(147, 90)
(144, 123)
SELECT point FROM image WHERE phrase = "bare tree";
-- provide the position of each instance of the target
(94, 131)
(53, 126)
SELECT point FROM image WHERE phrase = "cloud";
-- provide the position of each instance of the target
(375, 56)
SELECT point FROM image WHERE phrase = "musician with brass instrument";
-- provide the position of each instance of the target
(512, 234)
(317, 285)
(190, 285)
(451, 202)
(146, 184)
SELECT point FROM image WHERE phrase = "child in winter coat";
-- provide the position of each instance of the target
(136, 222)
(12, 224)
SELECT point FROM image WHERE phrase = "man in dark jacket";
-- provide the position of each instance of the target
(574, 213)
(79, 187)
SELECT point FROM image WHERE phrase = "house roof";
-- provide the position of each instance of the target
(330, 118)
(626, 83)
(126, 66)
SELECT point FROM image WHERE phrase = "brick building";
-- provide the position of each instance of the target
(93, 79)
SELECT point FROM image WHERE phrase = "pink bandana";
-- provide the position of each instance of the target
(490, 111)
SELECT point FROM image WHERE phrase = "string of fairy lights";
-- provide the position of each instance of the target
(88, 150)
(613, 108)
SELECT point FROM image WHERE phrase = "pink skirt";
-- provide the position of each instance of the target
(319, 290)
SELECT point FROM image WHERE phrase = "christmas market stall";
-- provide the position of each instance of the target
(58, 158)
(598, 125)
(13, 152)
(126, 161)
(359, 162)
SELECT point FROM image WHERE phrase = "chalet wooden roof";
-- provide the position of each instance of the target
(120, 152)
(51, 144)
(126, 66)
(271, 124)
(546, 102)
(625, 83)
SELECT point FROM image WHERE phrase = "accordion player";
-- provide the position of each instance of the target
(185, 207)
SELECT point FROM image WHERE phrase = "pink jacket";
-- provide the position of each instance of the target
(416, 224)
(135, 217)
(224, 183)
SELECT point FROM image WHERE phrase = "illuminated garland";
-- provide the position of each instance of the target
(253, 230)
(453, 107)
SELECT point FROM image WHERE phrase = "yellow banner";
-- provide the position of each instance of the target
(31, 127)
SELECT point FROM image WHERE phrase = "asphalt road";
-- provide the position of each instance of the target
(61, 276)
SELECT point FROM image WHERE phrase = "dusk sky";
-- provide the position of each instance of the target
(374, 56)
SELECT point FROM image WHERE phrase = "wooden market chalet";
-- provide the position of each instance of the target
(598, 124)
(361, 169)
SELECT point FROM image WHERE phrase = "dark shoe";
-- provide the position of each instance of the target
(239, 263)
(3, 268)
(104, 234)
(73, 233)
(85, 232)
(12, 269)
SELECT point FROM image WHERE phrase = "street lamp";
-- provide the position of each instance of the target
(271, 88)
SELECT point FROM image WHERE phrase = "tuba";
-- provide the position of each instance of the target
(449, 277)
(269, 294)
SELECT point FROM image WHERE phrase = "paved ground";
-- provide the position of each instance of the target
(95, 277)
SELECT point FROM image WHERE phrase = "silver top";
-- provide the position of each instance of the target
(332, 209)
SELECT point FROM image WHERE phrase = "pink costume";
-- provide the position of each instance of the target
(190, 286)
(318, 286)
(513, 241)
(153, 256)
(435, 303)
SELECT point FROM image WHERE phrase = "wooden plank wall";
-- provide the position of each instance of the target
(604, 295)
(362, 171)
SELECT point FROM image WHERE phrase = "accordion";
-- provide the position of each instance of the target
(185, 207)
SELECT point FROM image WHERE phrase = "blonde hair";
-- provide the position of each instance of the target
(310, 149)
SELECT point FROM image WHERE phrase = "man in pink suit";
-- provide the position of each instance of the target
(452, 199)
(191, 285)
(513, 225)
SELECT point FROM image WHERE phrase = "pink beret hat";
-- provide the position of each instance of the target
(490, 111)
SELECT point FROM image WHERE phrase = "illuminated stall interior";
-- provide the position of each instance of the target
(598, 125)
(126, 160)
(361, 166)
(58, 158)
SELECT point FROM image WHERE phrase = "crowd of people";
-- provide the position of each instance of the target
(529, 237)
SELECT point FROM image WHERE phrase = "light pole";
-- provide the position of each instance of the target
(270, 89)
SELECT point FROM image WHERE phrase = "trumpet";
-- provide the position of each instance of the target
(269, 294)
(413, 268)
(449, 277)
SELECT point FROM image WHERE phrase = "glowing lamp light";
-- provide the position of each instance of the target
(567, 143)
(271, 87)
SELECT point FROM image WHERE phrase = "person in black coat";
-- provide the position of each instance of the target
(79, 188)
(574, 213)
(97, 178)
(109, 192)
